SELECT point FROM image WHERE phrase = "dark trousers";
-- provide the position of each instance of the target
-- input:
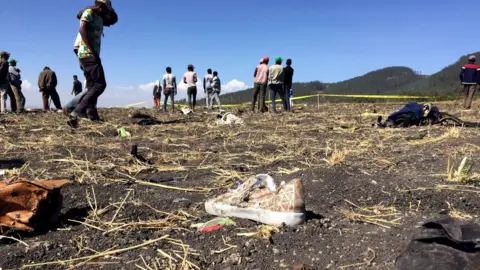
(192, 97)
(50, 93)
(469, 92)
(169, 93)
(19, 98)
(96, 84)
(259, 90)
(274, 90)
(287, 96)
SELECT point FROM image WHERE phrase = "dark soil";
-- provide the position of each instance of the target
(369, 168)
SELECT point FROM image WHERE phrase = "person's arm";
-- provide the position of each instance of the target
(195, 79)
(255, 73)
(40, 81)
(73, 90)
(54, 79)
(205, 85)
(164, 83)
(461, 74)
(184, 79)
(174, 82)
(85, 20)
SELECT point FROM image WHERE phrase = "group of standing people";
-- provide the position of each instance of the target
(278, 78)
(211, 84)
(10, 84)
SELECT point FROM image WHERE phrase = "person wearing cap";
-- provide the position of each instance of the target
(207, 86)
(4, 85)
(190, 79)
(260, 84)
(288, 70)
(169, 88)
(16, 85)
(277, 78)
(92, 21)
(47, 83)
(470, 78)
(157, 95)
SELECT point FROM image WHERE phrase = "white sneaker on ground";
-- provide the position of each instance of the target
(256, 201)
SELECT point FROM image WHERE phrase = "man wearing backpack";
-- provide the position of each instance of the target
(16, 85)
(470, 77)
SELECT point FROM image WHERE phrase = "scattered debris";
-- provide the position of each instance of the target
(264, 232)
(186, 111)
(122, 132)
(29, 205)
(229, 119)
(214, 224)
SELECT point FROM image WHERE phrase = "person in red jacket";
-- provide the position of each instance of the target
(469, 76)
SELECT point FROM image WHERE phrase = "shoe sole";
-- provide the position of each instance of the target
(259, 215)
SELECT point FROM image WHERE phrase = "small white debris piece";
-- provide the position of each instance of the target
(230, 119)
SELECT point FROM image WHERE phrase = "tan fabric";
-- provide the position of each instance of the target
(20, 200)
(469, 91)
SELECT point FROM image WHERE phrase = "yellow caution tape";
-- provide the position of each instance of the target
(336, 95)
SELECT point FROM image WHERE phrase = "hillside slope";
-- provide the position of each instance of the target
(389, 80)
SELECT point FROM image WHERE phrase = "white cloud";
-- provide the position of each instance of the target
(26, 85)
(234, 86)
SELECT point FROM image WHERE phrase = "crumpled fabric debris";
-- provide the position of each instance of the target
(230, 119)
(27, 204)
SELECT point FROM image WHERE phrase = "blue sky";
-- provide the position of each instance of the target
(327, 40)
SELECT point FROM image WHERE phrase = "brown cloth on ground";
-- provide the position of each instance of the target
(22, 199)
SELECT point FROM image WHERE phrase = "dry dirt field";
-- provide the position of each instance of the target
(366, 189)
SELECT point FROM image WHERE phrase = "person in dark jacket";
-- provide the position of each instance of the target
(288, 71)
(47, 83)
(15, 80)
(4, 56)
(77, 86)
(469, 76)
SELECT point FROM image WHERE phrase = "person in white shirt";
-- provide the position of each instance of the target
(169, 89)
(190, 79)
(207, 86)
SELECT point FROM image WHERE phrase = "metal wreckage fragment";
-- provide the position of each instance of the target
(29, 205)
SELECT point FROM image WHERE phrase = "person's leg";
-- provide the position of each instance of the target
(18, 100)
(256, 91)
(24, 100)
(96, 85)
(217, 99)
(190, 95)
(471, 93)
(172, 100)
(281, 93)
(3, 98)
(75, 101)
(263, 96)
(13, 101)
(273, 96)
(194, 97)
(207, 99)
(165, 99)
(56, 99)
(45, 97)
(287, 96)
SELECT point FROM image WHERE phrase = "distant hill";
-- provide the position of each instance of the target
(389, 80)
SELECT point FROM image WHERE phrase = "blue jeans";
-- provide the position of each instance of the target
(72, 105)
(274, 90)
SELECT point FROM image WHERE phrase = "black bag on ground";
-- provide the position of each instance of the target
(443, 244)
